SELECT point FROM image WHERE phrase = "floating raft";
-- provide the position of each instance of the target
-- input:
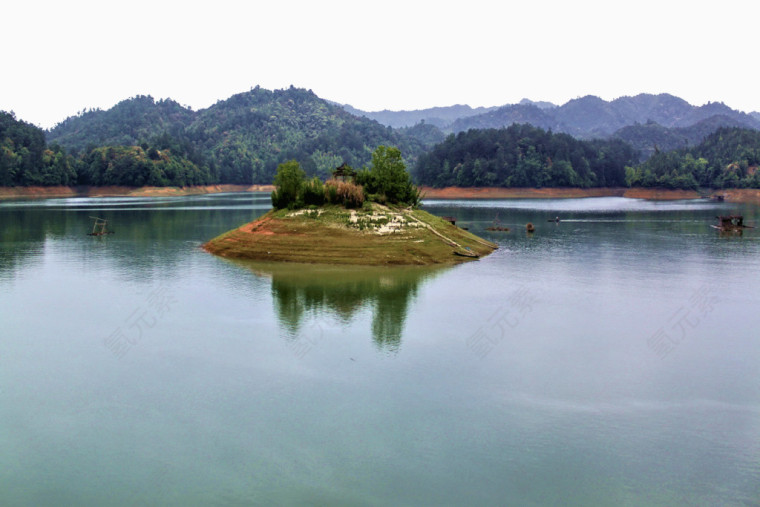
(496, 225)
(99, 227)
(731, 223)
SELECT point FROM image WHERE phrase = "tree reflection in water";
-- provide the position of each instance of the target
(311, 291)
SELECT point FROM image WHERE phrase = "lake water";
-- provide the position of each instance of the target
(610, 359)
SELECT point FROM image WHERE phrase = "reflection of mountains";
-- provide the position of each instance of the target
(300, 291)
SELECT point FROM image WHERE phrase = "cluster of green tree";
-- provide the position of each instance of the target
(25, 158)
(244, 138)
(385, 181)
(135, 166)
(728, 158)
(524, 156)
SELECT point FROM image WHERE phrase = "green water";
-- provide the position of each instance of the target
(610, 359)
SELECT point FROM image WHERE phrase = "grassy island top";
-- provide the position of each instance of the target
(365, 218)
(374, 235)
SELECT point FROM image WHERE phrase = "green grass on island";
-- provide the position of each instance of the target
(373, 235)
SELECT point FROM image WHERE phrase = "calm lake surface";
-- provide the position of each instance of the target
(610, 359)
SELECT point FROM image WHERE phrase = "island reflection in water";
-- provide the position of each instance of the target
(310, 291)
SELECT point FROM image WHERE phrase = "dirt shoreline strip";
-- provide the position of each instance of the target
(748, 195)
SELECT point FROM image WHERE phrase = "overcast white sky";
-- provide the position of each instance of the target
(64, 56)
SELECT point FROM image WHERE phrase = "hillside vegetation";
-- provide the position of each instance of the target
(526, 156)
(728, 158)
(244, 138)
(26, 159)
(523, 156)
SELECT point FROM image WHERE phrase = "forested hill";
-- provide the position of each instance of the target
(727, 158)
(26, 159)
(244, 138)
(128, 123)
(524, 156)
(527, 156)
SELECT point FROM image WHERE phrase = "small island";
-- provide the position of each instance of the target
(369, 217)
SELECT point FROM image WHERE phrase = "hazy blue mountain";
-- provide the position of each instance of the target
(590, 117)
(541, 104)
(711, 109)
(441, 117)
(664, 108)
(651, 136)
(505, 116)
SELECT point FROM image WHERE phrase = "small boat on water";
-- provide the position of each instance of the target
(466, 253)
(731, 223)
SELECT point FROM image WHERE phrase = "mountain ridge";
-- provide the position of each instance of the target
(244, 137)
(588, 116)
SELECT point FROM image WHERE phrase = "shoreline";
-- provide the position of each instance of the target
(116, 191)
(737, 195)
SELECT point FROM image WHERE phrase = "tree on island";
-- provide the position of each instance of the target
(289, 182)
(386, 181)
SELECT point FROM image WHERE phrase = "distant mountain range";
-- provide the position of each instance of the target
(441, 117)
(643, 120)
